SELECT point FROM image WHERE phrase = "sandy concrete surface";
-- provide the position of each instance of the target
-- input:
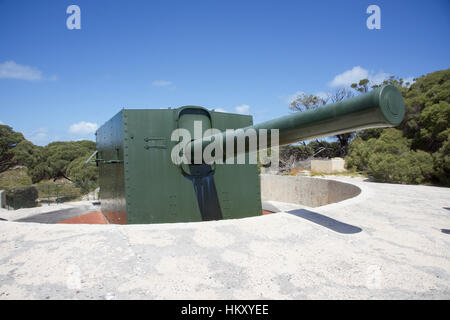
(389, 242)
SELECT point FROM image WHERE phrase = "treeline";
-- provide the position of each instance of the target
(292, 154)
(54, 161)
(418, 150)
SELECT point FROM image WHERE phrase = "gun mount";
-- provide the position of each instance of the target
(140, 183)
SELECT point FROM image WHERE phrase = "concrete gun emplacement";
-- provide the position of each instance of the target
(140, 183)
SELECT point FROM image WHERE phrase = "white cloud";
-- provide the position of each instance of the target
(350, 76)
(242, 109)
(290, 98)
(12, 70)
(161, 83)
(39, 137)
(1, 122)
(379, 77)
(357, 73)
(83, 128)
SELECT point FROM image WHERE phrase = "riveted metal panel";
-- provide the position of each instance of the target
(157, 192)
(237, 185)
(111, 169)
(147, 187)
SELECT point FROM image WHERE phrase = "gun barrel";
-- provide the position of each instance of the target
(382, 107)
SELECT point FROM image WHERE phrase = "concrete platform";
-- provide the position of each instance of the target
(50, 213)
(389, 242)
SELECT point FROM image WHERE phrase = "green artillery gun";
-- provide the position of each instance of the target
(141, 183)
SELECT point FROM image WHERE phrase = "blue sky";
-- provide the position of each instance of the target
(238, 56)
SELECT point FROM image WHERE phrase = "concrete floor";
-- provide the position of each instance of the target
(390, 242)
(50, 213)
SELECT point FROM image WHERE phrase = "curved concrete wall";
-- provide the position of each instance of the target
(311, 192)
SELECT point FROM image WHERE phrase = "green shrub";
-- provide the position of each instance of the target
(85, 176)
(39, 172)
(358, 155)
(442, 163)
(390, 141)
(14, 178)
(389, 159)
(27, 154)
(409, 167)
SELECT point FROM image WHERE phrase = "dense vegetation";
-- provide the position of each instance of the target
(417, 151)
(54, 161)
(292, 155)
(390, 158)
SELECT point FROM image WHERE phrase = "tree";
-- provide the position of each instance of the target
(39, 172)
(325, 149)
(83, 175)
(58, 156)
(344, 138)
(390, 159)
(427, 118)
(291, 153)
(27, 154)
(362, 86)
(426, 127)
(442, 163)
(9, 139)
(306, 102)
(56, 160)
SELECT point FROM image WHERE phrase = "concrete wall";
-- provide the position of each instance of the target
(311, 192)
(329, 166)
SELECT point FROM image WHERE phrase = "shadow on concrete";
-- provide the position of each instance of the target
(56, 216)
(325, 221)
(447, 231)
